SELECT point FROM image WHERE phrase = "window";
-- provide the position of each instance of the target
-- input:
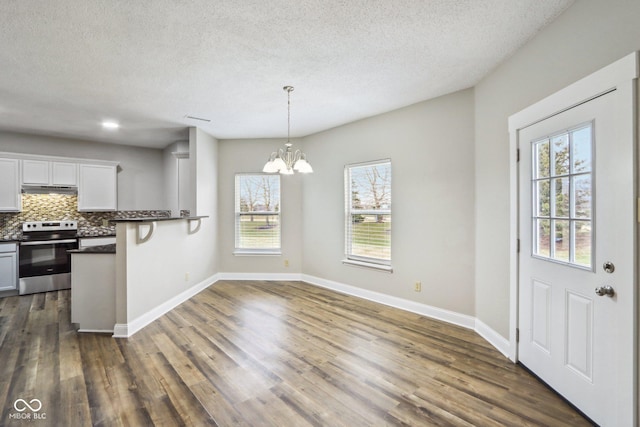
(562, 183)
(257, 213)
(368, 214)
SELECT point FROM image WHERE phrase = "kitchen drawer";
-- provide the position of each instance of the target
(8, 247)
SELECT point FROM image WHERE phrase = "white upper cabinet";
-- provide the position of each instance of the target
(44, 172)
(96, 180)
(63, 173)
(97, 188)
(35, 172)
(10, 200)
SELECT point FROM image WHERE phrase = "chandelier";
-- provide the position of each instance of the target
(286, 161)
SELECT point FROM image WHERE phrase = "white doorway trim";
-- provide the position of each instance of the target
(620, 76)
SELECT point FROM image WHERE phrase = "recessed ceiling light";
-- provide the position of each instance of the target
(110, 124)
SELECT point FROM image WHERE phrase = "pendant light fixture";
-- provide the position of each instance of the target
(286, 161)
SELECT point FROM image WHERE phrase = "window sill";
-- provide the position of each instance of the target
(249, 252)
(362, 264)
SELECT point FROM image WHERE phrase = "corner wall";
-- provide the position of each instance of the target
(179, 259)
(431, 147)
(249, 156)
(588, 36)
(203, 163)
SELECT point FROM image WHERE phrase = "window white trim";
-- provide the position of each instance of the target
(370, 265)
(350, 211)
(257, 252)
(277, 204)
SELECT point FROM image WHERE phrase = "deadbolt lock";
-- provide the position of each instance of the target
(608, 267)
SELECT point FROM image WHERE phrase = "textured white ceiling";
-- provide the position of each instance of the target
(66, 65)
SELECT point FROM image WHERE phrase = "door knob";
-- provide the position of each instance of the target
(605, 290)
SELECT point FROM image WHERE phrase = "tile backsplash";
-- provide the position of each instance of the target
(57, 207)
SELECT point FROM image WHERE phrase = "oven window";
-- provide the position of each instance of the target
(45, 259)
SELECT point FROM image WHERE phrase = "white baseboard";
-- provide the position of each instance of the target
(401, 303)
(126, 330)
(492, 337)
(260, 276)
(120, 330)
(495, 339)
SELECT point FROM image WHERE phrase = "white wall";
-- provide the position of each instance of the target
(249, 156)
(169, 263)
(431, 149)
(203, 159)
(588, 36)
(140, 175)
(153, 276)
(171, 172)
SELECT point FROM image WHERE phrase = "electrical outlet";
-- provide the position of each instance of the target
(286, 263)
(418, 287)
(186, 277)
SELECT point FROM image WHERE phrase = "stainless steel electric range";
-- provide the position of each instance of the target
(45, 264)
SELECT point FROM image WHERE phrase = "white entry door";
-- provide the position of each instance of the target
(576, 266)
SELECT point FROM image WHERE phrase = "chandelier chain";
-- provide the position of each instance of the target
(286, 161)
(289, 89)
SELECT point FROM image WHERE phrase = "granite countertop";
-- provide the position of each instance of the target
(11, 240)
(153, 219)
(102, 249)
(82, 234)
(89, 234)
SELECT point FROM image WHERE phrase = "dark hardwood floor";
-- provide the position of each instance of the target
(263, 353)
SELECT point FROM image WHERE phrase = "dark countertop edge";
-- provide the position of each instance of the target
(102, 249)
(79, 236)
(152, 219)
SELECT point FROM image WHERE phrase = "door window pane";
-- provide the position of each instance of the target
(582, 233)
(542, 241)
(582, 196)
(562, 240)
(542, 158)
(561, 154)
(562, 183)
(561, 199)
(581, 149)
(542, 198)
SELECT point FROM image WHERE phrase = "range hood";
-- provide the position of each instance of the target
(49, 189)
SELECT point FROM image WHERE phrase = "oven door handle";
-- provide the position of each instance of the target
(47, 242)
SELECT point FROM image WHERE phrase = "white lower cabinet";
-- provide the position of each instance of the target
(8, 267)
(97, 188)
(93, 292)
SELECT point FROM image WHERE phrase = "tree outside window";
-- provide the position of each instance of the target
(257, 213)
(368, 208)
